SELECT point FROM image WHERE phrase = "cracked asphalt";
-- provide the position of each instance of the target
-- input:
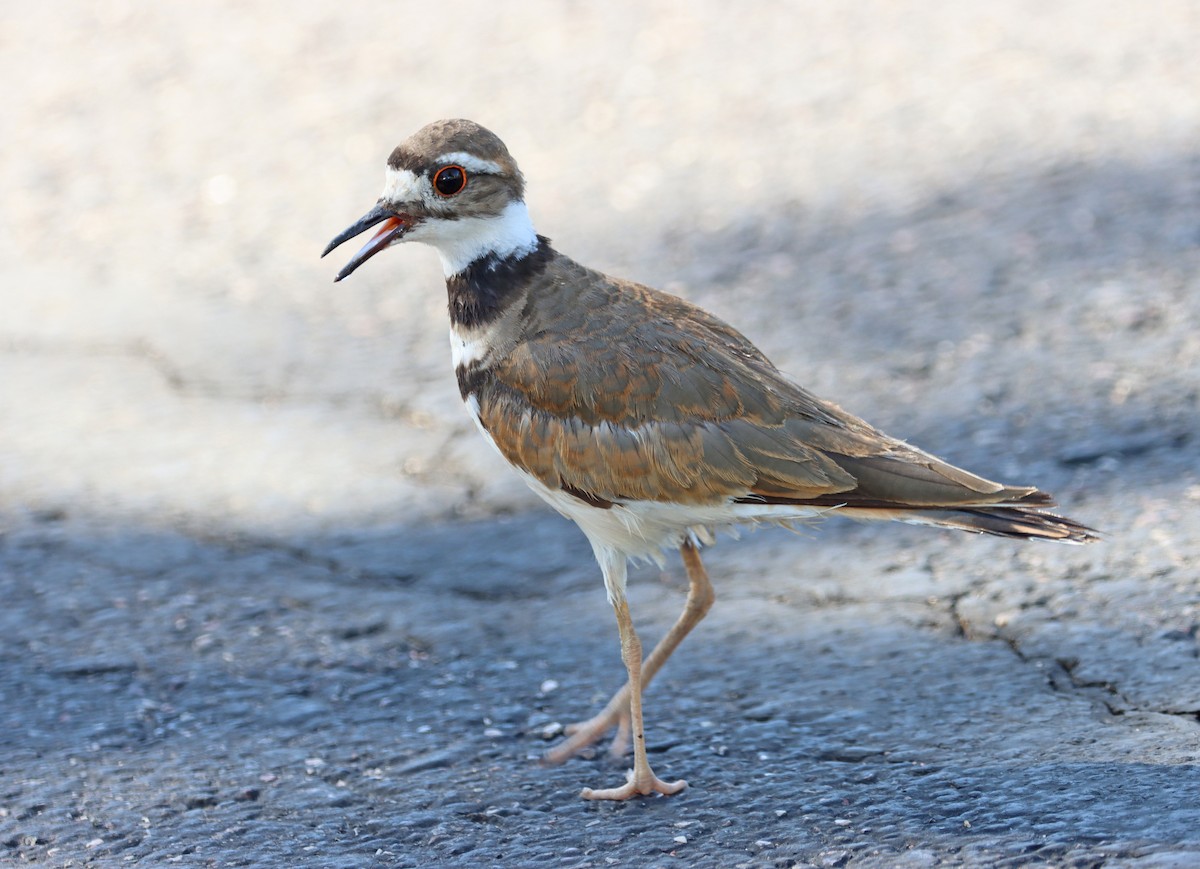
(269, 600)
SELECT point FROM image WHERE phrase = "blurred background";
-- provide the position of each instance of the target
(957, 219)
(269, 597)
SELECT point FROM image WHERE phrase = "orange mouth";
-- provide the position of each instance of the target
(391, 227)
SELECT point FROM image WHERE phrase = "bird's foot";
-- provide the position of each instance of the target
(637, 784)
(581, 734)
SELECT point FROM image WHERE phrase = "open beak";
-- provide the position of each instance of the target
(393, 226)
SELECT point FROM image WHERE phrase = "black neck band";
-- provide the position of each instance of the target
(483, 289)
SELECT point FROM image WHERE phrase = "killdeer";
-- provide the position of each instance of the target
(646, 420)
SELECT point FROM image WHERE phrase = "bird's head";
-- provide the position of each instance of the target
(452, 185)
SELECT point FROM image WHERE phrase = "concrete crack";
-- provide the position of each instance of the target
(1061, 672)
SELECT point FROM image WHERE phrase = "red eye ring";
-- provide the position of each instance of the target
(450, 180)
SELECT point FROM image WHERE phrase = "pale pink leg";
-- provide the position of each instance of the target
(616, 713)
(641, 779)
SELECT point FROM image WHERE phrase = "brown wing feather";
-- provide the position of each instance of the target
(694, 463)
(697, 415)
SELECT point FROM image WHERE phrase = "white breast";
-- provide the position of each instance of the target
(468, 346)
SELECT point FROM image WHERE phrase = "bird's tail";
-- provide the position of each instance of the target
(919, 489)
(1019, 512)
(1024, 523)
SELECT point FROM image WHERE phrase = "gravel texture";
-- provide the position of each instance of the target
(269, 600)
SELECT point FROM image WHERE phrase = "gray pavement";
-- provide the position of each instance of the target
(270, 601)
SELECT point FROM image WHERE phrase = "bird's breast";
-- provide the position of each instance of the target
(470, 347)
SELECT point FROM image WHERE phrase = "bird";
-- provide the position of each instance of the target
(646, 420)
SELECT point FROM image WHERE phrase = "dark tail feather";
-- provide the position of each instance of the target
(1021, 513)
(1022, 523)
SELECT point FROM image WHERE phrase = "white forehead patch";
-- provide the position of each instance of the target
(402, 185)
(469, 162)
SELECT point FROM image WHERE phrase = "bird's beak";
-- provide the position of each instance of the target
(394, 226)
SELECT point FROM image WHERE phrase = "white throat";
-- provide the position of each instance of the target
(461, 242)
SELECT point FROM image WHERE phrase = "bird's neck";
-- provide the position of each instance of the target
(489, 276)
(489, 284)
(464, 241)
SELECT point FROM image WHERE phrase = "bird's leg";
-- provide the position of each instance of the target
(641, 780)
(616, 713)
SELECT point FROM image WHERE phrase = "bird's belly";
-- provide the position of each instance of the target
(647, 529)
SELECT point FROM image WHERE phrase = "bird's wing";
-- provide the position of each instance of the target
(696, 414)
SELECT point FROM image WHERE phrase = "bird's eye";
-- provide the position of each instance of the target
(450, 180)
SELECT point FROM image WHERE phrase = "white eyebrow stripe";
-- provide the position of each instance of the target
(469, 162)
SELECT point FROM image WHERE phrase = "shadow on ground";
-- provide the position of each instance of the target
(383, 698)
